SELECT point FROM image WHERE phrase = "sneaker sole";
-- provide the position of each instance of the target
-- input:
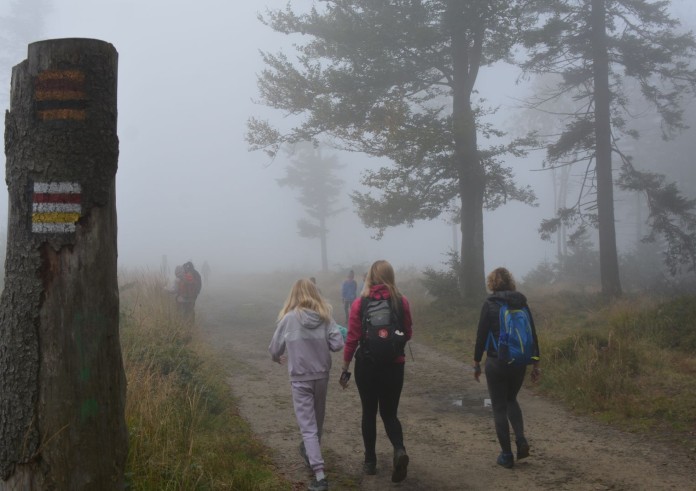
(508, 464)
(400, 468)
(522, 452)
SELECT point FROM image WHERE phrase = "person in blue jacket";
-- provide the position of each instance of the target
(349, 292)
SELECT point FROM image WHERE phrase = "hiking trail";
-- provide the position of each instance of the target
(448, 433)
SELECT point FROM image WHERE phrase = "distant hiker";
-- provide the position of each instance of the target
(183, 284)
(176, 286)
(188, 268)
(307, 330)
(349, 291)
(379, 362)
(505, 373)
(189, 288)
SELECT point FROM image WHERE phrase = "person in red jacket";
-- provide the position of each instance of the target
(379, 384)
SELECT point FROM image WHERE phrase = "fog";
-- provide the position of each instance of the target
(187, 186)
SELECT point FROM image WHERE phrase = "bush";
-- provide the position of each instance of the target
(444, 285)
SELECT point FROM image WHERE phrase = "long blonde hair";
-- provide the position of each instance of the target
(305, 295)
(382, 273)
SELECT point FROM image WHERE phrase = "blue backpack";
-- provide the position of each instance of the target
(515, 345)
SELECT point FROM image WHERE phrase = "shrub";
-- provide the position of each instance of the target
(444, 285)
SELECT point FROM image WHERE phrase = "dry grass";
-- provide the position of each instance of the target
(185, 433)
(629, 362)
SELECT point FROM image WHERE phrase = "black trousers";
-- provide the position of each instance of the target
(504, 382)
(379, 387)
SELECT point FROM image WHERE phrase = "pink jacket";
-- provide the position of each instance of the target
(355, 323)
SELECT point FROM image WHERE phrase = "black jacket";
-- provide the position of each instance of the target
(489, 321)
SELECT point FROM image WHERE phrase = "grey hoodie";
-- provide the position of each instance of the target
(308, 341)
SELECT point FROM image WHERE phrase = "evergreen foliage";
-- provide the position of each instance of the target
(642, 48)
(315, 178)
(396, 80)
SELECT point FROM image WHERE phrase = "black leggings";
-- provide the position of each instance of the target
(380, 388)
(504, 382)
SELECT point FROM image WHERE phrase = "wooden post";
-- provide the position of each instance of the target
(62, 383)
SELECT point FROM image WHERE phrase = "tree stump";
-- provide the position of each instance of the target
(62, 383)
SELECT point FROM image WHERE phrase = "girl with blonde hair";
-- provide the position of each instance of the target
(307, 331)
(379, 384)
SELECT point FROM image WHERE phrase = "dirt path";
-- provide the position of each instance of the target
(448, 432)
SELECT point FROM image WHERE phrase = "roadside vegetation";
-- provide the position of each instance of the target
(185, 432)
(630, 362)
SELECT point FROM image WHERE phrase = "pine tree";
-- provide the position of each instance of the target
(598, 47)
(315, 177)
(397, 80)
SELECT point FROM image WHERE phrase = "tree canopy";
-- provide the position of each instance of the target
(601, 50)
(396, 80)
(314, 176)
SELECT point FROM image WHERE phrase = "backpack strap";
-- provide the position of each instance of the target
(363, 318)
(501, 321)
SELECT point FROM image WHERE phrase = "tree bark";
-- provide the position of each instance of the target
(470, 171)
(608, 256)
(62, 389)
(324, 252)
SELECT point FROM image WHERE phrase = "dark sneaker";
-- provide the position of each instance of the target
(400, 465)
(506, 460)
(522, 449)
(303, 453)
(315, 485)
(370, 468)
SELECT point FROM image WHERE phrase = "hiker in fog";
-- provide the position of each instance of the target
(349, 290)
(307, 330)
(183, 289)
(378, 329)
(506, 363)
(188, 288)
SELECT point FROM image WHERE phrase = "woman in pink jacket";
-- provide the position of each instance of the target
(379, 382)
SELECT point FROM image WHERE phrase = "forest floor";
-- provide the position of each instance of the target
(448, 431)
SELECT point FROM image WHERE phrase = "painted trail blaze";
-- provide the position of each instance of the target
(56, 207)
(60, 95)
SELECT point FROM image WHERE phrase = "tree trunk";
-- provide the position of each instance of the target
(62, 389)
(324, 254)
(608, 256)
(470, 171)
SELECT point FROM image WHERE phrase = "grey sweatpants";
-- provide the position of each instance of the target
(309, 400)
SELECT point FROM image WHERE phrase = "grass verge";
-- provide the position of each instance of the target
(185, 432)
(630, 362)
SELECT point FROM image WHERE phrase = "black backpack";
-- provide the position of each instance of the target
(383, 337)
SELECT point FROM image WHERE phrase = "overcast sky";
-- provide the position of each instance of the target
(187, 187)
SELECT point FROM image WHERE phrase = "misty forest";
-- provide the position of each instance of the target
(185, 183)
